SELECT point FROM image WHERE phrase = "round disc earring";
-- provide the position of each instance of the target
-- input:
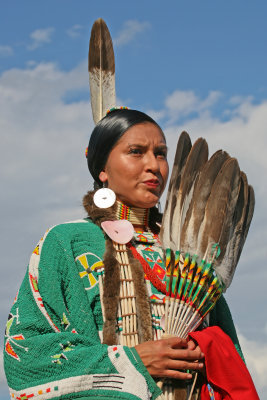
(104, 197)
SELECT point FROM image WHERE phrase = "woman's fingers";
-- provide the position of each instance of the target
(176, 342)
(184, 365)
(177, 374)
(185, 354)
(170, 357)
(191, 344)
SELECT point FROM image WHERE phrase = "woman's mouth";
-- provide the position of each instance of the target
(153, 183)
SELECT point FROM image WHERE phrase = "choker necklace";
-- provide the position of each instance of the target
(137, 216)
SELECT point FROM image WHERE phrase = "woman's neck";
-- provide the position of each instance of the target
(139, 217)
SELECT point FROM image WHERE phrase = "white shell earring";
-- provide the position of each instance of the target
(104, 197)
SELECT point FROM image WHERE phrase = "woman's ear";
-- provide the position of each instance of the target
(103, 176)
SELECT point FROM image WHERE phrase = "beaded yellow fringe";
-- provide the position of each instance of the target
(137, 216)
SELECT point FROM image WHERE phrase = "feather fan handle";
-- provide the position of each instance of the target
(101, 66)
(194, 291)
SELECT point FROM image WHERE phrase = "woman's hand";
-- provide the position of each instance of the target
(168, 358)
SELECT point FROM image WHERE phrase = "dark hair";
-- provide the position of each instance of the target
(106, 134)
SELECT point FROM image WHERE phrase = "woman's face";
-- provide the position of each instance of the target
(137, 167)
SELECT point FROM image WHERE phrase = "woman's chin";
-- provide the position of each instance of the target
(146, 201)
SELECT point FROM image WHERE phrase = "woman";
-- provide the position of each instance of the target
(84, 321)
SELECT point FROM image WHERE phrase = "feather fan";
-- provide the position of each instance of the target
(206, 219)
(101, 66)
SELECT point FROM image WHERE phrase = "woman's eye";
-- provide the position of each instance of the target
(135, 151)
(161, 154)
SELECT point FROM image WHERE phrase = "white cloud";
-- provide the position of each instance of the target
(40, 37)
(129, 30)
(256, 359)
(6, 51)
(236, 100)
(156, 115)
(31, 63)
(183, 103)
(75, 31)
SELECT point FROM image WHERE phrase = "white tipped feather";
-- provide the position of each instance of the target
(101, 66)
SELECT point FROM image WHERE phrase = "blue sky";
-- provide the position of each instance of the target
(199, 66)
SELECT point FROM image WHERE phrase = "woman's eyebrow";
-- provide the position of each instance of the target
(162, 147)
(142, 146)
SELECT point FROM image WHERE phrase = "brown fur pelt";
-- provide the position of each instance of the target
(112, 278)
(97, 215)
(111, 294)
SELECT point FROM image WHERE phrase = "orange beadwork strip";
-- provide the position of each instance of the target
(156, 282)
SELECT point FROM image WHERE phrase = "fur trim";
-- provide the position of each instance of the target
(112, 280)
(97, 215)
(111, 294)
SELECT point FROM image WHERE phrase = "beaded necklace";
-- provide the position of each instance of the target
(137, 216)
(140, 217)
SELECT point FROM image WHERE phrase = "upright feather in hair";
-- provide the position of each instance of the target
(101, 66)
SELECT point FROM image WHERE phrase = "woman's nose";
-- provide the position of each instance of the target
(152, 163)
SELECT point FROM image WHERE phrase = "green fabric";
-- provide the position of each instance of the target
(59, 322)
(221, 316)
(52, 342)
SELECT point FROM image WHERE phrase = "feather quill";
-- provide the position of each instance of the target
(101, 66)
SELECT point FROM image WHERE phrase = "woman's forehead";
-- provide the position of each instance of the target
(144, 134)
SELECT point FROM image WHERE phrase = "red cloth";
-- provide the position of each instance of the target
(226, 371)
